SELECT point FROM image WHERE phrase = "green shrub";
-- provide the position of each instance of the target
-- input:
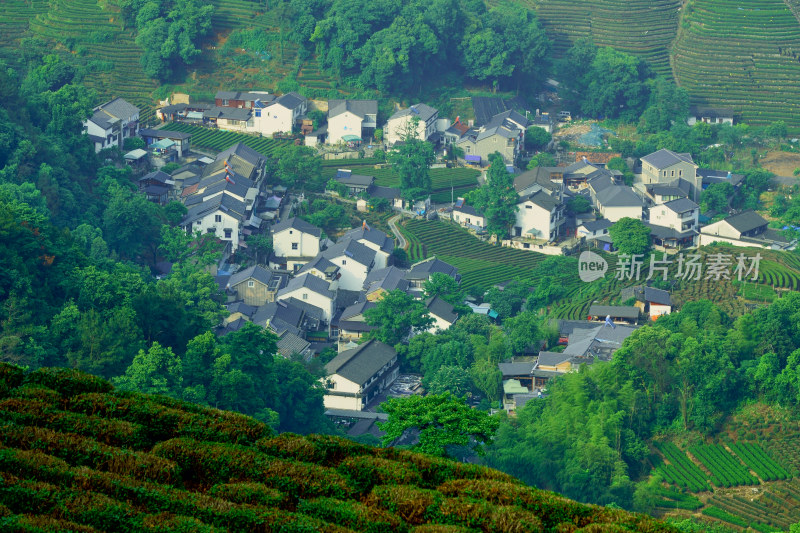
(365, 472)
(352, 514)
(249, 493)
(67, 381)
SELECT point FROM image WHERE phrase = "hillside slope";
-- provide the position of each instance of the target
(75, 454)
(641, 27)
(743, 54)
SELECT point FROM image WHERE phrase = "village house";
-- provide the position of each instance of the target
(280, 115)
(288, 315)
(422, 271)
(390, 194)
(680, 217)
(614, 201)
(619, 314)
(374, 239)
(355, 183)
(401, 122)
(290, 344)
(223, 215)
(157, 187)
(539, 216)
(256, 285)
(351, 325)
(241, 99)
(383, 280)
(111, 123)
(182, 141)
(442, 314)
(351, 120)
(467, 216)
(323, 269)
(651, 302)
(748, 229)
(356, 377)
(295, 242)
(354, 260)
(310, 290)
(710, 115)
(480, 144)
(665, 166)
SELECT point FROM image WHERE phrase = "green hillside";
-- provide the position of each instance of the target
(77, 455)
(641, 27)
(744, 54)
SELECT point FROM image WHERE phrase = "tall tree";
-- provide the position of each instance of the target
(444, 422)
(396, 315)
(412, 161)
(497, 198)
(630, 236)
(155, 371)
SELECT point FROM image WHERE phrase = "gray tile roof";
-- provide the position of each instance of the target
(289, 344)
(290, 100)
(501, 130)
(242, 159)
(229, 113)
(509, 118)
(423, 269)
(623, 311)
(552, 358)
(666, 158)
(223, 202)
(485, 107)
(351, 249)
(658, 296)
(542, 199)
(681, 205)
(388, 279)
(437, 306)
(595, 225)
(356, 309)
(668, 190)
(390, 193)
(310, 282)
(360, 364)
(283, 310)
(320, 263)
(256, 272)
(516, 369)
(119, 108)
(164, 134)
(467, 210)
(296, 223)
(357, 107)
(423, 111)
(157, 175)
(746, 221)
(373, 235)
(356, 180)
(244, 95)
(618, 196)
(241, 307)
(539, 176)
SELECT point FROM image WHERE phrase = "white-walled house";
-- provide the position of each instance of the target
(442, 314)
(399, 123)
(355, 377)
(466, 215)
(747, 228)
(351, 117)
(595, 229)
(279, 115)
(222, 215)
(111, 123)
(294, 243)
(311, 290)
(666, 166)
(354, 261)
(374, 239)
(539, 216)
(614, 201)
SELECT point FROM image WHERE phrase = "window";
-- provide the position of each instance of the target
(251, 283)
(217, 218)
(305, 296)
(294, 246)
(526, 245)
(290, 232)
(344, 261)
(673, 173)
(228, 233)
(258, 112)
(528, 206)
(224, 102)
(680, 173)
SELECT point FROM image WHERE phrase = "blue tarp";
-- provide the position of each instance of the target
(472, 158)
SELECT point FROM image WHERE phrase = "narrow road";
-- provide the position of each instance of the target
(401, 241)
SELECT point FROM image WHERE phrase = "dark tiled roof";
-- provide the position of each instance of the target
(296, 223)
(308, 281)
(390, 193)
(290, 100)
(241, 307)
(666, 158)
(321, 264)
(424, 269)
(157, 175)
(508, 118)
(657, 296)
(388, 279)
(746, 221)
(437, 306)
(360, 364)
(375, 236)
(229, 113)
(595, 225)
(356, 309)
(467, 210)
(356, 180)
(119, 108)
(423, 111)
(552, 358)
(538, 175)
(289, 344)
(623, 311)
(485, 107)
(516, 369)
(257, 272)
(224, 202)
(164, 134)
(618, 196)
(542, 199)
(668, 190)
(351, 249)
(357, 107)
(681, 205)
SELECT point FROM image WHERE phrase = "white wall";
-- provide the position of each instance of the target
(226, 221)
(531, 216)
(720, 229)
(615, 213)
(396, 128)
(273, 119)
(352, 273)
(475, 220)
(304, 294)
(347, 123)
(307, 244)
(340, 384)
(657, 310)
(438, 324)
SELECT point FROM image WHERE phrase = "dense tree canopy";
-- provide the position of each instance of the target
(497, 198)
(630, 236)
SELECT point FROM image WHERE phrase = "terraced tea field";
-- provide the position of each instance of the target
(644, 28)
(743, 54)
(219, 140)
